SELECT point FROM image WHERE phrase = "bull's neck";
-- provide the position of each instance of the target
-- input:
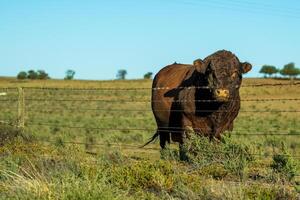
(227, 110)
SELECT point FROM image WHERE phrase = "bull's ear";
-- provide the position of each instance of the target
(200, 66)
(245, 67)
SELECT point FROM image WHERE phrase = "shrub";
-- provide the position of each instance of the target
(156, 177)
(261, 191)
(229, 155)
(284, 166)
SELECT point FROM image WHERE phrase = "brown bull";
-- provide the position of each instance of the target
(203, 97)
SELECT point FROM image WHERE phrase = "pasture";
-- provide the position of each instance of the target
(81, 141)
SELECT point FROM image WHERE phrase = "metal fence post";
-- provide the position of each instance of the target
(21, 108)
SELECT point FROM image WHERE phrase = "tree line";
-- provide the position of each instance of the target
(288, 70)
(42, 75)
(32, 74)
(69, 75)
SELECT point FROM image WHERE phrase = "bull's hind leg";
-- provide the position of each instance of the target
(164, 136)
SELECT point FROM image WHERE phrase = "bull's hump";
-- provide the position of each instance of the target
(172, 75)
(174, 68)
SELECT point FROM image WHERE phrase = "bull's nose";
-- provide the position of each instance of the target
(222, 93)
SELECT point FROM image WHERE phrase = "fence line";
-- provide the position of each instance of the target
(161, 128)
(21, 99)
(148, 110)
(159, 88)
(149, 100)
(241, 132)
(142, 88)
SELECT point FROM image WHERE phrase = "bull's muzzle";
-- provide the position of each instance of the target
(222, 94)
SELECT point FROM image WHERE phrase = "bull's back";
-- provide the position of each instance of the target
(167, 79)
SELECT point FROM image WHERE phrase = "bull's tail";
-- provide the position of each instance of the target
(151, 139)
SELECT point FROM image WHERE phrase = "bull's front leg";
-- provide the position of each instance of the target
(217, 132)
(212, 133)
(187, 130)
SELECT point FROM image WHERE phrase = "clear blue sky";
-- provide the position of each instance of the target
(96, 38)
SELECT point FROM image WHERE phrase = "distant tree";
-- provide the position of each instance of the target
(22, 75)
(148, 75)
(32, 74)
(290, 70)
(121, 75)
(41, 74)
(268, 70)
(69, 74)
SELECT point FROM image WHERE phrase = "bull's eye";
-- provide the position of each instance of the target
(234, 75)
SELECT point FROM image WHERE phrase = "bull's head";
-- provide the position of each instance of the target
(222, 72)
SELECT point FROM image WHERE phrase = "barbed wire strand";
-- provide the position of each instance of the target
(162, 101)
(143, 88)
(159, 88)
(162, 129)
(162, 110)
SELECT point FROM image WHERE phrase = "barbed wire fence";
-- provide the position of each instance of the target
(21, 122)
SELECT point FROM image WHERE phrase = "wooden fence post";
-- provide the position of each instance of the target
(21, 108)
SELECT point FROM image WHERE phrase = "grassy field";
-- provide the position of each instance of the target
(83, 144)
